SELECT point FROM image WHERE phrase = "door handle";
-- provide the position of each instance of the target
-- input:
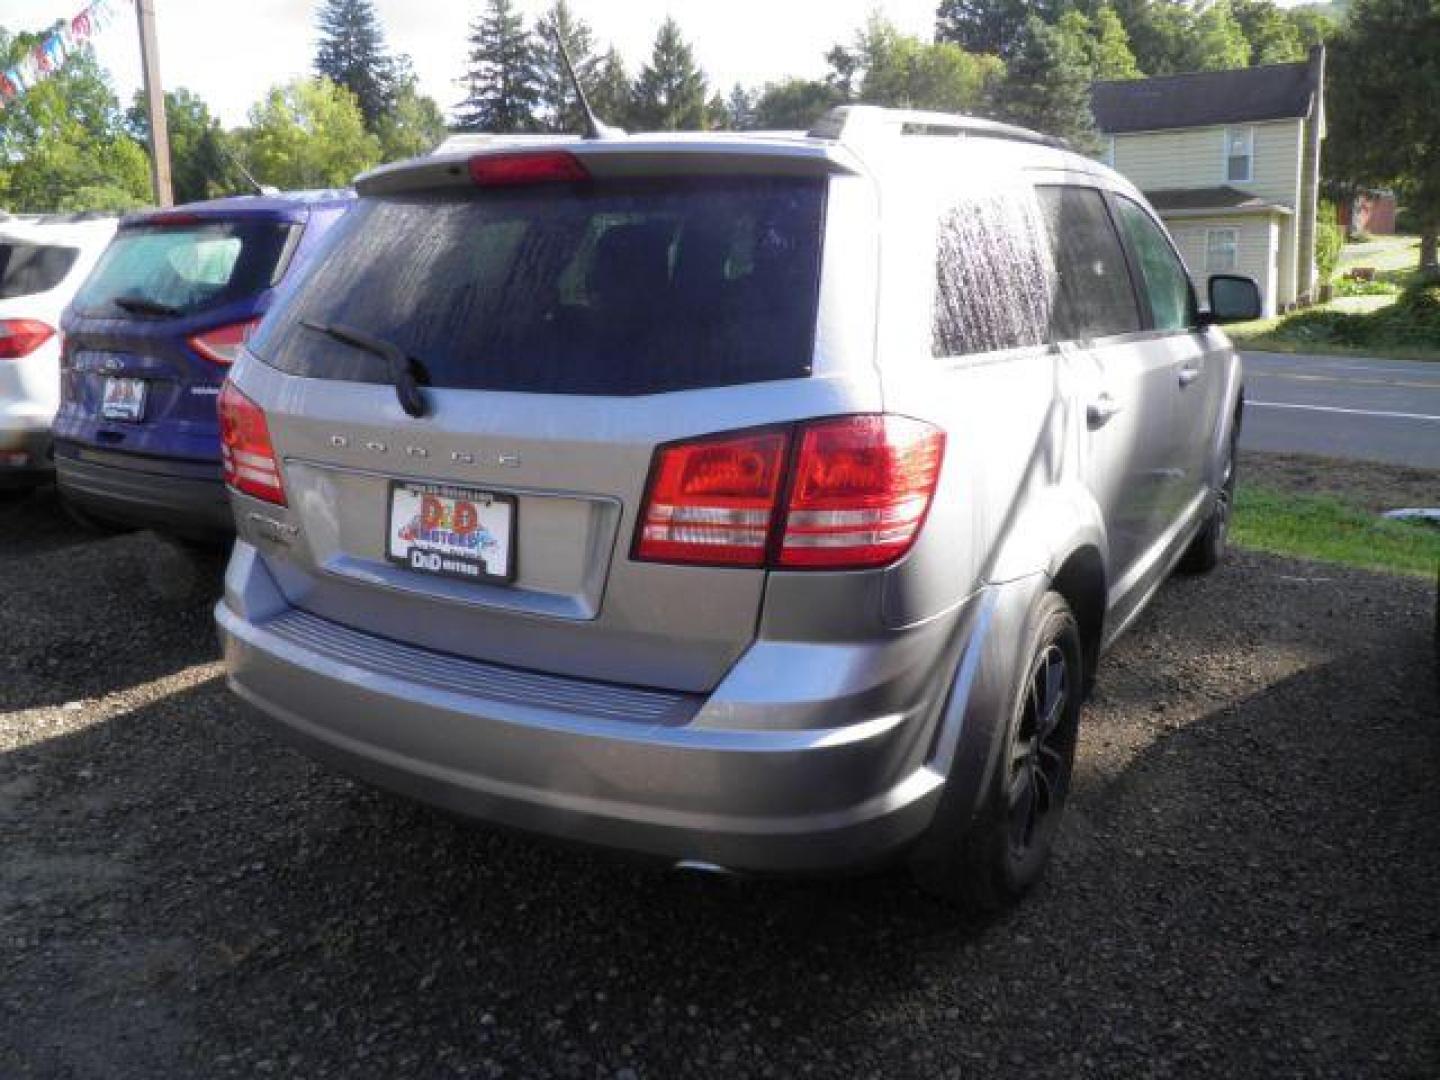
(1188, 375)
(1101, 411)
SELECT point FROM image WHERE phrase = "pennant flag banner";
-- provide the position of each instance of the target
(54, 48)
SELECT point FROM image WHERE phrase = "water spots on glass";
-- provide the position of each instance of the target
(617, 288)
(993, 275)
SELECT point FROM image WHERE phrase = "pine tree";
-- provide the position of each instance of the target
(559, 108)
(611, 94)
(1047, 87)
(740, 107)
(351, 53)
(670, 93)
(502, 89)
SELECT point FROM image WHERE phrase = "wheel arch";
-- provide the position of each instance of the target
(1080, 579)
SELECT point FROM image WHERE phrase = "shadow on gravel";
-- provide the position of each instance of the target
(1251, 893)
(36, 524)
(80, 620)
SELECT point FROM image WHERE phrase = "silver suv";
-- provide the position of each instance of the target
(758, 502)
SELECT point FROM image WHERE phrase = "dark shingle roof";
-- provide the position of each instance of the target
(1245, 95)
(1210, 198)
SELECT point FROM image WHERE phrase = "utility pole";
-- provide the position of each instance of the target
(155, 105)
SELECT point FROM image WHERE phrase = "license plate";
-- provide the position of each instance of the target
(452, 532)
(123, 399)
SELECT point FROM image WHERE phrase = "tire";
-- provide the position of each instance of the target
(989, 863)
(1208, 548)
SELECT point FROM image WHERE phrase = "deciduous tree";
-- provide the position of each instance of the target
(63, 142)
(988, 26)
(795, 104)
(1382, 107)
(201, 162)
(414, 124)
(887, 67)
(308, 133)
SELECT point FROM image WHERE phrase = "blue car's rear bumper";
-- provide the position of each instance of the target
(186, 498)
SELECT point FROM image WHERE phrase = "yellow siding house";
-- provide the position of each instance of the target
(1231, 162)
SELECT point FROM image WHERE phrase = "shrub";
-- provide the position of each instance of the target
(1329, 239)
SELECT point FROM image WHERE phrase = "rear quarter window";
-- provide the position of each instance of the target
(602, 288)
(994, 280)
(27, 269)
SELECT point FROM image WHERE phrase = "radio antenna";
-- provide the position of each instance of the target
(595, 128)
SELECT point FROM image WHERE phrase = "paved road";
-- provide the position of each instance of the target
(1375, 410)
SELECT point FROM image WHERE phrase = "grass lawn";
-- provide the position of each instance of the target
(1328, 510)
(1394, 260)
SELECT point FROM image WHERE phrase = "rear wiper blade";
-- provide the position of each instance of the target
(139, 305)
(404, 370)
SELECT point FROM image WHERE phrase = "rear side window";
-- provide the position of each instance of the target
(1094, 297)
(1167, 285)
(993, 275)
(606, 288)
(184, 269)
(26, 269)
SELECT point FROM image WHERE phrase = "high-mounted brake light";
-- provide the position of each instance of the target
(854, 497)
(246, 453)
(532, 167)
(21, 337)
(222, 345)
(170, 220)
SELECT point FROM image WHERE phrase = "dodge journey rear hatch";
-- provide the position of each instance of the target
(456, 419)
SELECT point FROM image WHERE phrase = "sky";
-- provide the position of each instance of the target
(231, 51)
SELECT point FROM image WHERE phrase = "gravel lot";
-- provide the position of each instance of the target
(1248, 885)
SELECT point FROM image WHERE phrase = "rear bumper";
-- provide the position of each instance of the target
(183, 497)
(646, 771)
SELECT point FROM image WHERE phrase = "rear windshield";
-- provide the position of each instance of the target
(182, 270)
(607, 288)
(26, 269)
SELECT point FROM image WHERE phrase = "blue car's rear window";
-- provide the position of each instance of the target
(184, 269)
(604, 288)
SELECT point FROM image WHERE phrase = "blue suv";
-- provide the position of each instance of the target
(148, 341)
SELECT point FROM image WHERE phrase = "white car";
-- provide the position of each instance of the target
(43, 261)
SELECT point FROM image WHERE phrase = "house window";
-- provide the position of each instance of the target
(1222, 250)
(1239, 154)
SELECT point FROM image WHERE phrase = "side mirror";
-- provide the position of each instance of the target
(1233, 298)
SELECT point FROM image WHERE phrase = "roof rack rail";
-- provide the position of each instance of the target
(859, 124)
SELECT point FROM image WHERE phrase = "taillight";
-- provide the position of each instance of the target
(21, 337)
(861, 490)
(534, 167)
(246, 452)
(222, 345)
(713, 501)
(855, 495)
